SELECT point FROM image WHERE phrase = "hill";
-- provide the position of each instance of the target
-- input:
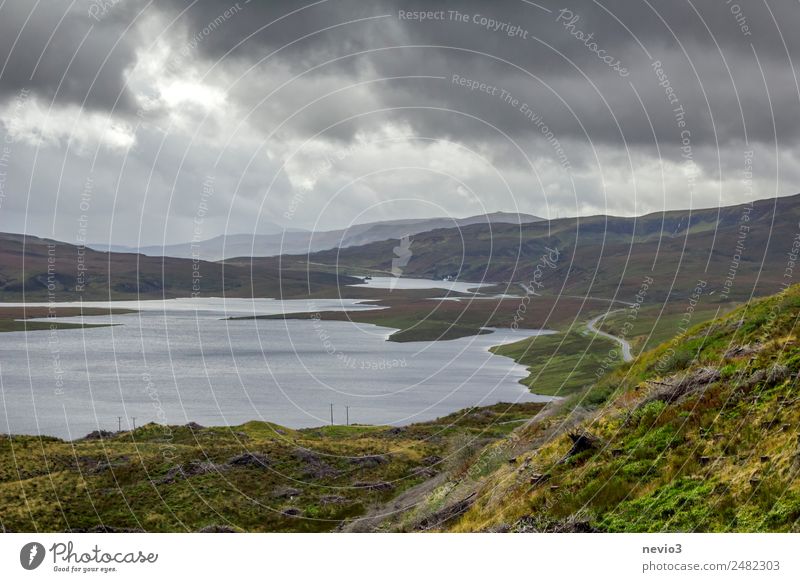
(254, 477)
(738, 250)
(34, 269)
(295, 241)
(699, 434)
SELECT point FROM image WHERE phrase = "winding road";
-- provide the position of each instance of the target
(626, 346)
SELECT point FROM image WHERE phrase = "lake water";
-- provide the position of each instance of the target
(410, 283)
(180, 360)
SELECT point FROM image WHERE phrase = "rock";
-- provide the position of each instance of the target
(305, 455)
(537, 478)
(426, 472)
(256, 460)
(193, 426)
(448, 513)
(777, 373)
(96, 435)
(286, 493)
(190, 469)
(581, 441)
(368, 461)
(106, 465)
(542, 524)
(332, 500)
(315, 468)
(740, 351)
(292, 512)
(432, 460)
(682, 384)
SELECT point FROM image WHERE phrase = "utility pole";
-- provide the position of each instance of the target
(119, 424)
(134, 423)
(347, 412)
(331, 414)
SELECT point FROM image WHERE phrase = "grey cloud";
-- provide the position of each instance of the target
(61, 54)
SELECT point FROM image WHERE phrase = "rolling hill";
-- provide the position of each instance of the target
(738, 251)
(293, 241)
(37, 269)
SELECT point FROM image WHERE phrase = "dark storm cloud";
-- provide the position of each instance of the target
(340, 71)
(713, 54)
(55, 49)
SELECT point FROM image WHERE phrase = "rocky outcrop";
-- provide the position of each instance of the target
(450, 512)
(256, 460)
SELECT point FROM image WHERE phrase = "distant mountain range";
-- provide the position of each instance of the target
(277, 240)
(739, 251)
(38, 269)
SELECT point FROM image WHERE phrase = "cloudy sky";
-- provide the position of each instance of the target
(145, 122)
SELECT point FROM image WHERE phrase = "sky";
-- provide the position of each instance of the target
(137, 122)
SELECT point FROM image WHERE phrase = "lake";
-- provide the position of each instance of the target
(410, 283)
(178, 361)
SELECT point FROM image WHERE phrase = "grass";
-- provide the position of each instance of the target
(15, 318)
(656, 324)
(562, 363)
(313, 480)
(722, 457)
(418, 318)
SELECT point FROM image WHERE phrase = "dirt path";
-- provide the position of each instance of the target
(626, 346)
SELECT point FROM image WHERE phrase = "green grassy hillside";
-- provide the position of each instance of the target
(699, 434)
(600, 256)
(253, 477)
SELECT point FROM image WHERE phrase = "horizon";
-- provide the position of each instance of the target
(298, 229)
